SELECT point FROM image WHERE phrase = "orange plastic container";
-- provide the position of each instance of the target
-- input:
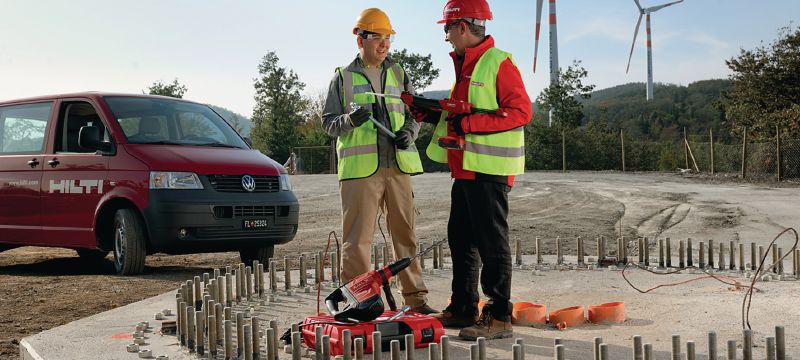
(567, 317)
(608, 313)
(526, 314)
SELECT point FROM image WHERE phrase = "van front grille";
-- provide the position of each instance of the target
(233, 183)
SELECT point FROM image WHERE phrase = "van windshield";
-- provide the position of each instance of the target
(172, 122)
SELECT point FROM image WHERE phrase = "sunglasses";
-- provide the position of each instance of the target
(449, 25)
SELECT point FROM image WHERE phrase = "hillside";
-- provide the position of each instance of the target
(675, 106)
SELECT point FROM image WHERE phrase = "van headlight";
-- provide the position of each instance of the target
(175, 180)
(286, 185)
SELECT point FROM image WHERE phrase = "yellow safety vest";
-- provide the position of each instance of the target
(501, 153)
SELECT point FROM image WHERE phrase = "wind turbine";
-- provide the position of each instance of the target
(642, 12)
(553, 44)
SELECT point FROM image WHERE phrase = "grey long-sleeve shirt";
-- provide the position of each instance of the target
(335, 123)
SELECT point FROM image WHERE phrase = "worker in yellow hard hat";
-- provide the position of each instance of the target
(375, 161)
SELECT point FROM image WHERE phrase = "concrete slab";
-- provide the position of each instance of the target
(689, 310)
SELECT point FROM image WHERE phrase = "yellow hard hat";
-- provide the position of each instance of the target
(373, 20)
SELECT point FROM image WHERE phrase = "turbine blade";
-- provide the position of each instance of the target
(659, 7)
(638, 5)
(635, 33)
(538, 27)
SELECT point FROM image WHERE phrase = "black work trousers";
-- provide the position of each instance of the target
(478, 234)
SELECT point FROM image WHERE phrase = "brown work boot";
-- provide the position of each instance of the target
(487, 327)
(452, 320)
(424, 309)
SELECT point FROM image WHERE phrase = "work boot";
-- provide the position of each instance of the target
(452, 320)
(488, 327)
(424, 309)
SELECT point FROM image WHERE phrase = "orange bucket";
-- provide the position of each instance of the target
(567, 317)
(608, 313)
(526, 314)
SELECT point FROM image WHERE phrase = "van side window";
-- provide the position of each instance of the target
(23, 127)
(75, 115)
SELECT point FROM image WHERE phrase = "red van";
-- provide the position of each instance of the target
(136, 175)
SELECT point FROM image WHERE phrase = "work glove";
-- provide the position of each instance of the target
(425, 115)
(358, 117)
(454, 124)
(403, 139)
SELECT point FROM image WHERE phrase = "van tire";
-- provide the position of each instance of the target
(262, 254)
(129, 242)
(91, 255)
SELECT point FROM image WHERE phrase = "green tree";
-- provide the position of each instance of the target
(766, 86)
(174, 89)
(279, 108)
(418, 67)
(311, 131)
(562, 97)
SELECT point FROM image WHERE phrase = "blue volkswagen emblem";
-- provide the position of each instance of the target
(248, 183)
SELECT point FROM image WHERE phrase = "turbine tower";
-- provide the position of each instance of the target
(553, 43)
(646, 12)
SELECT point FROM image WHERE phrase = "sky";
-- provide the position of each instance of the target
(214, 47)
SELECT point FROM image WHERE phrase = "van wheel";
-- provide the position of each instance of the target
(129, 242)
(262, 254)
(91, 255)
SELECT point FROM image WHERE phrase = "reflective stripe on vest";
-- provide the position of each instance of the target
(358, 150)
(500, 153)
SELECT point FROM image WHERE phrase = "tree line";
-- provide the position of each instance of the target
(762, 92)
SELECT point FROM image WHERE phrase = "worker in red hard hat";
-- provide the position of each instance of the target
(483, 171)
(375, 167)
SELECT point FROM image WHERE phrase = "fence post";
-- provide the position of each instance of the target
(778, 151)
(563, 152)
(622, 145)
(711, 134)
(685, 148)
(333, 167)
(744, 152)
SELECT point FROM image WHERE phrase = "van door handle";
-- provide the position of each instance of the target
(53, 162)
(33, 163)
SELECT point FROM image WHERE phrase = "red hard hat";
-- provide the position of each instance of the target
(465, 9)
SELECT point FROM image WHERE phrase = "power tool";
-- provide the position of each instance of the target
(364, 313)
(453, 107)
(362, 294)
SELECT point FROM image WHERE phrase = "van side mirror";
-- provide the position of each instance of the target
(89, 138)
(248, 141)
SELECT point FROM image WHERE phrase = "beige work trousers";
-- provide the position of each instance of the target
(390, 190)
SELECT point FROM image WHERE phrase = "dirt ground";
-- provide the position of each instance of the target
(42, 288)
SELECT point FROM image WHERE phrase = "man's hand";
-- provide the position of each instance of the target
(358, 117)
(403, 139)
(454, 123)
(424, 115)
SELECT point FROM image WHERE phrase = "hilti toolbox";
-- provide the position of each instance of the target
(426, 330)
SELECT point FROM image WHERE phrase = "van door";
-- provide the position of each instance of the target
(23, 129)
(75, 178)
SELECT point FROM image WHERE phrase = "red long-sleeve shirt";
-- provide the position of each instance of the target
(511, 97)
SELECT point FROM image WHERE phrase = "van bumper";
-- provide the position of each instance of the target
(199, 221)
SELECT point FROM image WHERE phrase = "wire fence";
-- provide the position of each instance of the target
(591, 149)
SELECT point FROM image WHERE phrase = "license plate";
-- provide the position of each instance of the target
(255, 224)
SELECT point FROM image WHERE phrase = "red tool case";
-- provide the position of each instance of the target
(426, 330)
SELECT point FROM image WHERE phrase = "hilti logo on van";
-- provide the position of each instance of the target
(76, 186)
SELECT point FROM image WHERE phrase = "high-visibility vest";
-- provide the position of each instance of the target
(501, 153)
(358, 150)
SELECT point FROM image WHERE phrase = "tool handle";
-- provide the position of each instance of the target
(389, 298)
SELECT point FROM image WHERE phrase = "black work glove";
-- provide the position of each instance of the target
(425, 115)
(358, 116)
(403, 139)
(454, 123)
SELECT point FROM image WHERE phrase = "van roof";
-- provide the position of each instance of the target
(94, 95)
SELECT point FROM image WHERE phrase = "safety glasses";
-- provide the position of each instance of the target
(449, 25)
(377, 37)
